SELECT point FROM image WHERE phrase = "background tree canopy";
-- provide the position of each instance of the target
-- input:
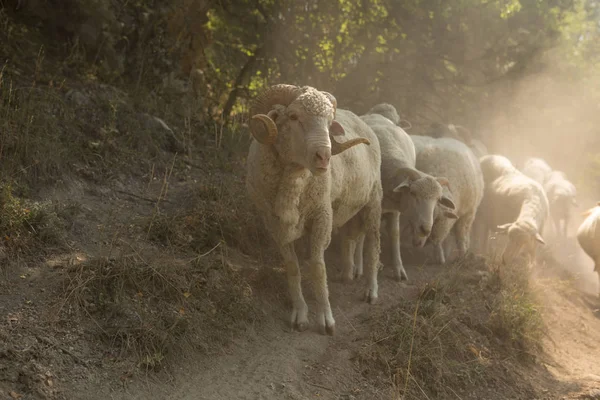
(521, 74)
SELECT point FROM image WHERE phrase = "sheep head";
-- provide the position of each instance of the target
(417, 196)
(522, 235)
(386, 110)
(299, 123)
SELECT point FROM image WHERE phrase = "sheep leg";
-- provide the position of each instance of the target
(319, 240)
(438, 253)
(299, 319)
(557, 227)
(372, 250)
(565, 227)
(393, 225)
(462, 232)
(348, 249)
(358, 256)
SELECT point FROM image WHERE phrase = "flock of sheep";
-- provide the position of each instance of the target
(314, 170)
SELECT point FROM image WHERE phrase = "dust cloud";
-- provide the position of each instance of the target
(552, 113)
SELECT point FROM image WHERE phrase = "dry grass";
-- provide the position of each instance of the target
(29, 226)
(217, 209)
(450, 339)
(160, 309)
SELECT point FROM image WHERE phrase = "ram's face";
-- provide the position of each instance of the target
(304, 132)
(299, 125)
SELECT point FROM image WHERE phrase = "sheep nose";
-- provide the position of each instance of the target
(322, 156)
(424, 231)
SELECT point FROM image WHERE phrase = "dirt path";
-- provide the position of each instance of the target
(272, 363)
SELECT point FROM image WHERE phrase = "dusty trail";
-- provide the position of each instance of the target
(271, 362)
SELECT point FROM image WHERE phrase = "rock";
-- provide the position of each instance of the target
(159, 129)
(78, 98)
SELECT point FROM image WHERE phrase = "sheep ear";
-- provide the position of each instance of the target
(446, 202)
(539, 238)
(403, 187)
(443, 181)
(336, 129)
(503, 228)
(588, 212)
(450, 214)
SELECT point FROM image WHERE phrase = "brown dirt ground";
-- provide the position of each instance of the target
(46, 353)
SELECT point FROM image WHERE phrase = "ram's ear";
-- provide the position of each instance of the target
(336, 129)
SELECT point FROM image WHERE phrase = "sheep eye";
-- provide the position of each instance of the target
(293, 117)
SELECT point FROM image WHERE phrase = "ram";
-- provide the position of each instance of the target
(455, 161)
(304, 184)
(588, 236)
(408, 193)
(512, 204)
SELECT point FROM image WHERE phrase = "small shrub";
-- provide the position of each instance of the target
(156, 310)
(25, 224)
(451, 338)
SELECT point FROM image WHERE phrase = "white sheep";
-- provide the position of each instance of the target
(407, 193)
(302, 188)
(562, 198)
(455, 161)
(588, 236)
(438, 131)
(513, 204)
(387, 110)
(537, 169)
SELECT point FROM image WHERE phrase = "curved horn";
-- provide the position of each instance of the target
(268, 126)
(265, 132)
(337, 148)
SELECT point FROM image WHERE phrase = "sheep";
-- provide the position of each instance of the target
(562, 198)
(438, 131)
(386, 110)
(514, 204)
(305, 184)
(454, 160)
(588, 236)
(406, 190)
(537, 169)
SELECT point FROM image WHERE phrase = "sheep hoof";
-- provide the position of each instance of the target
(358, 275)
(299, 320)
(301, 326)
(401, 277)
(330, 329)
(370, 297)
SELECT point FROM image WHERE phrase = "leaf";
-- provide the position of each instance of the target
(186, 294)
